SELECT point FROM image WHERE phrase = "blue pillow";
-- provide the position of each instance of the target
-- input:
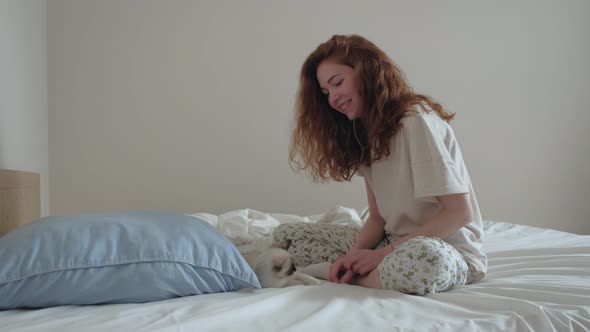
(117, 258)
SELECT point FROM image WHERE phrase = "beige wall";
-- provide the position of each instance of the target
(187, 105)
(23, 90)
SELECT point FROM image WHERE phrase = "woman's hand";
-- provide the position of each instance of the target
(363, 261)
(339, 273)
(358, 262)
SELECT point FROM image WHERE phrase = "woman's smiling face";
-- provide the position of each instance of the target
(338, 83)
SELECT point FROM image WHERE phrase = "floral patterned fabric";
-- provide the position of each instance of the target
(418, 266)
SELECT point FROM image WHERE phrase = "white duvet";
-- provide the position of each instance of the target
(538, 280)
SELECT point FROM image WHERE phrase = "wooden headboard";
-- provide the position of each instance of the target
(20, 199)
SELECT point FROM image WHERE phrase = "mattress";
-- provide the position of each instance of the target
(538, 280)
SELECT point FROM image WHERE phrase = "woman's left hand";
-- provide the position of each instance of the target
(363, 261)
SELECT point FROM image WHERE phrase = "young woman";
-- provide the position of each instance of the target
(356, 114)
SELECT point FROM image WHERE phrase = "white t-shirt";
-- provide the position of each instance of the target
(425, 162)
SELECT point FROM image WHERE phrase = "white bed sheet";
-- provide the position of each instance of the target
(538, 280)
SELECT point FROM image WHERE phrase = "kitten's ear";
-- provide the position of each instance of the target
(285, 244)
(279, 259)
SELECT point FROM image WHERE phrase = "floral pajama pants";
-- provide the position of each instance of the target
(418, 266)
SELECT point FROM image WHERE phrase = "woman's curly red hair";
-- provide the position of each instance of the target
(325, 141)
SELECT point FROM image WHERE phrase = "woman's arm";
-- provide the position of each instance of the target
(374, 228)
(369, 236)
(456, 212)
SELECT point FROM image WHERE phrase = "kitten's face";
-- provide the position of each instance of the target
(275, 267)
(282, 262)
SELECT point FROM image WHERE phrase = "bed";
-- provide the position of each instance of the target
(538, 280)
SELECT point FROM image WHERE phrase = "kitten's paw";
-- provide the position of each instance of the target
(312, 281)
(307, 279)
(319, 270)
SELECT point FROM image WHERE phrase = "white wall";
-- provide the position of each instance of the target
(187, 105)
(23, 90)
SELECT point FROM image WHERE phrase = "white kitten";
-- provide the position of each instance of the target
(274, 267)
